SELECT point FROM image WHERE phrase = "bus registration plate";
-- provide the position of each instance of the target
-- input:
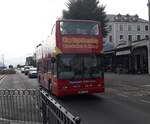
(82, 92)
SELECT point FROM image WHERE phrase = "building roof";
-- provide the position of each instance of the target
(125, 18)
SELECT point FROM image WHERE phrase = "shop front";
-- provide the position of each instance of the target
(140, 59)
(123, 60)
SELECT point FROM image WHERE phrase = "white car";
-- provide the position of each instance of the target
(22, 70)
(32, 73)
(26, 69)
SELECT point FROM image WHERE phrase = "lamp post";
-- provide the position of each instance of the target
(149, 37)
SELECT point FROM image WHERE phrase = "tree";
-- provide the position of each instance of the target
(87, 10)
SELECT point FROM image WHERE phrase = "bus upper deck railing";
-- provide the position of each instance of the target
(30, 106)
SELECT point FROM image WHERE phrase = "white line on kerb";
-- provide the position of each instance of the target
(145, 101)
(122, 95)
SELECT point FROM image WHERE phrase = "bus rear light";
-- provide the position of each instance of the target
(65, 87)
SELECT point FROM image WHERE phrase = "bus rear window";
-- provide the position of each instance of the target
(79, 28)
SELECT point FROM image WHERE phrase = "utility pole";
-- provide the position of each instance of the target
(149, 37)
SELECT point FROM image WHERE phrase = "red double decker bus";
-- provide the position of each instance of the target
(70, 61)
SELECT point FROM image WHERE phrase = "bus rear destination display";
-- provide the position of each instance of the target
(87, 43)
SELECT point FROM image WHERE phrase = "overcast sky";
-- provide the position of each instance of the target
(25, 23)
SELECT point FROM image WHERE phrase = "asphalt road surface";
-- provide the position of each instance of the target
(126, 100)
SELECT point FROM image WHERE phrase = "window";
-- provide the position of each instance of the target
(146, 37)
(121, 27)
(49, 65)
(129, 28)
(121, 37)
(138, 37)
(146, 27)
(110, 38)
(110, 28)
(129, 37)
(74, 66)
(45, 67)
(79, 28)
(138, 27)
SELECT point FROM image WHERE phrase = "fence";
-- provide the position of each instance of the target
(32, 107)
(20, 106)
(54, 113)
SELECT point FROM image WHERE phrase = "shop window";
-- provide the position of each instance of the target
(138, 37)
(146, 37)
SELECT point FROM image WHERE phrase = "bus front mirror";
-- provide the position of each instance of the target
(53, 59)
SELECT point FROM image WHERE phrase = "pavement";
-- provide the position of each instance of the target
(128, 85)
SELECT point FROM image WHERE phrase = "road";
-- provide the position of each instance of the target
(126, 100)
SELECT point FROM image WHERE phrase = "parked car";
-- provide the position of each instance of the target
(22, 70)
(32, 73)
(26, 70)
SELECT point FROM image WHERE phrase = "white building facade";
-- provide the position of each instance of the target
(126, 28)
(125, 32)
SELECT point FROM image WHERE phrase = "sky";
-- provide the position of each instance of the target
(26, 23)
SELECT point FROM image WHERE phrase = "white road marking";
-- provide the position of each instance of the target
(146, 85)
(122, 95)
(145, 101)
(2, 79)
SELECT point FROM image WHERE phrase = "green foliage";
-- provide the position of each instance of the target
(87, 10)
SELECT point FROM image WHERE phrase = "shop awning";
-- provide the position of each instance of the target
(124, 52)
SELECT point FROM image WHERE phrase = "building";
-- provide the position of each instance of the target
(126, 28)
(128, 36)
(30, 61)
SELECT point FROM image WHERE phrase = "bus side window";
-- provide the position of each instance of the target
(49, 66)
(54, 69)
(38, 67)
(45, 67)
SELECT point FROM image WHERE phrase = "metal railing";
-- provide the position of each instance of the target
(30, 106)
(20, 106)
(54, 113)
